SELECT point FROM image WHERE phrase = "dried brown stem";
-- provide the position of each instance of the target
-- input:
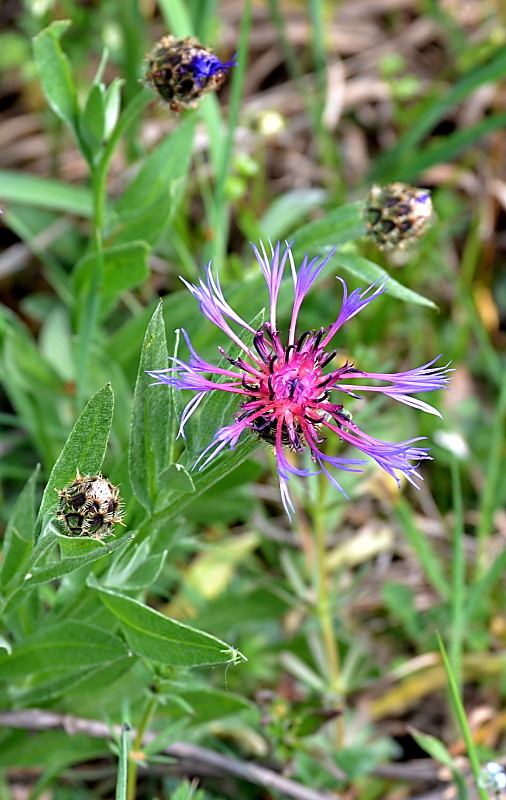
(197, 759)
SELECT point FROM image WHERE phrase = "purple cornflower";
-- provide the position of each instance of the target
(285, 389)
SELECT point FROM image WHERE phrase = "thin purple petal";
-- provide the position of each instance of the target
(304, 279)
(354, 303)
(204, 65)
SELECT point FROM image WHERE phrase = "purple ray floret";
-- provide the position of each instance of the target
(203, 65)
(286, 389)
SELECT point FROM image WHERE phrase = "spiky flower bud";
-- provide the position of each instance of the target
(90, 506)
(397, 214)
(181, 71)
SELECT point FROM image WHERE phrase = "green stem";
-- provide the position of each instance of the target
(122, 779)
(88, 313)
(88, 308)
(224, 143)
(458, 587)
(136, 746)
(323, 608)
(323, 603)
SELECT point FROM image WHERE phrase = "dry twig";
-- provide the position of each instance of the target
(196, 759)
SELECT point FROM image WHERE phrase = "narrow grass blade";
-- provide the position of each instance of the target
(435, 108)
(33, 190)
(462, 721)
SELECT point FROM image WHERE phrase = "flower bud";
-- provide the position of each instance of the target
(90, 506)
(181, 71)
(397, 214)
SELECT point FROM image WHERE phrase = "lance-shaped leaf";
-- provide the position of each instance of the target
(18, 538)
(339, 226)
(64, 647)
(55, 73)
(149, 434)
(154, 636)
(370, 272)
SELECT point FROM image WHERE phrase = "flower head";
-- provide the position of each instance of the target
(287, 385)
(90, 506)
(181, 71)
(396, 215)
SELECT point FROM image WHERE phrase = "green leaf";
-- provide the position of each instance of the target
(32, 190)
(5, 644)
(24, 362)
(152, 635)
(135, 568)
(76, 552)
(341, 225)
(432, 111)
(56, 345)
(32, 385)
(64, 647)
(187, 791)
(84, 680)
(18, 538)
(355, 759)
(148, 201)
(168, 160)
(370, 272)
(84, 449)
(149, 435)
(124, 266)
(437, 750)
(205, 704)
(55, 73)
(173, 480)
(112, 106)
(217, 469)
(177, 16)
(446, 148)
(148, 222)
(48, 748)
(98, 679)
(19, 586)
(434, 747)
(92, 120)
(287, 210)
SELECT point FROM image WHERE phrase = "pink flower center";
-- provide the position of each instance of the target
(290, 396)
(295, 384)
